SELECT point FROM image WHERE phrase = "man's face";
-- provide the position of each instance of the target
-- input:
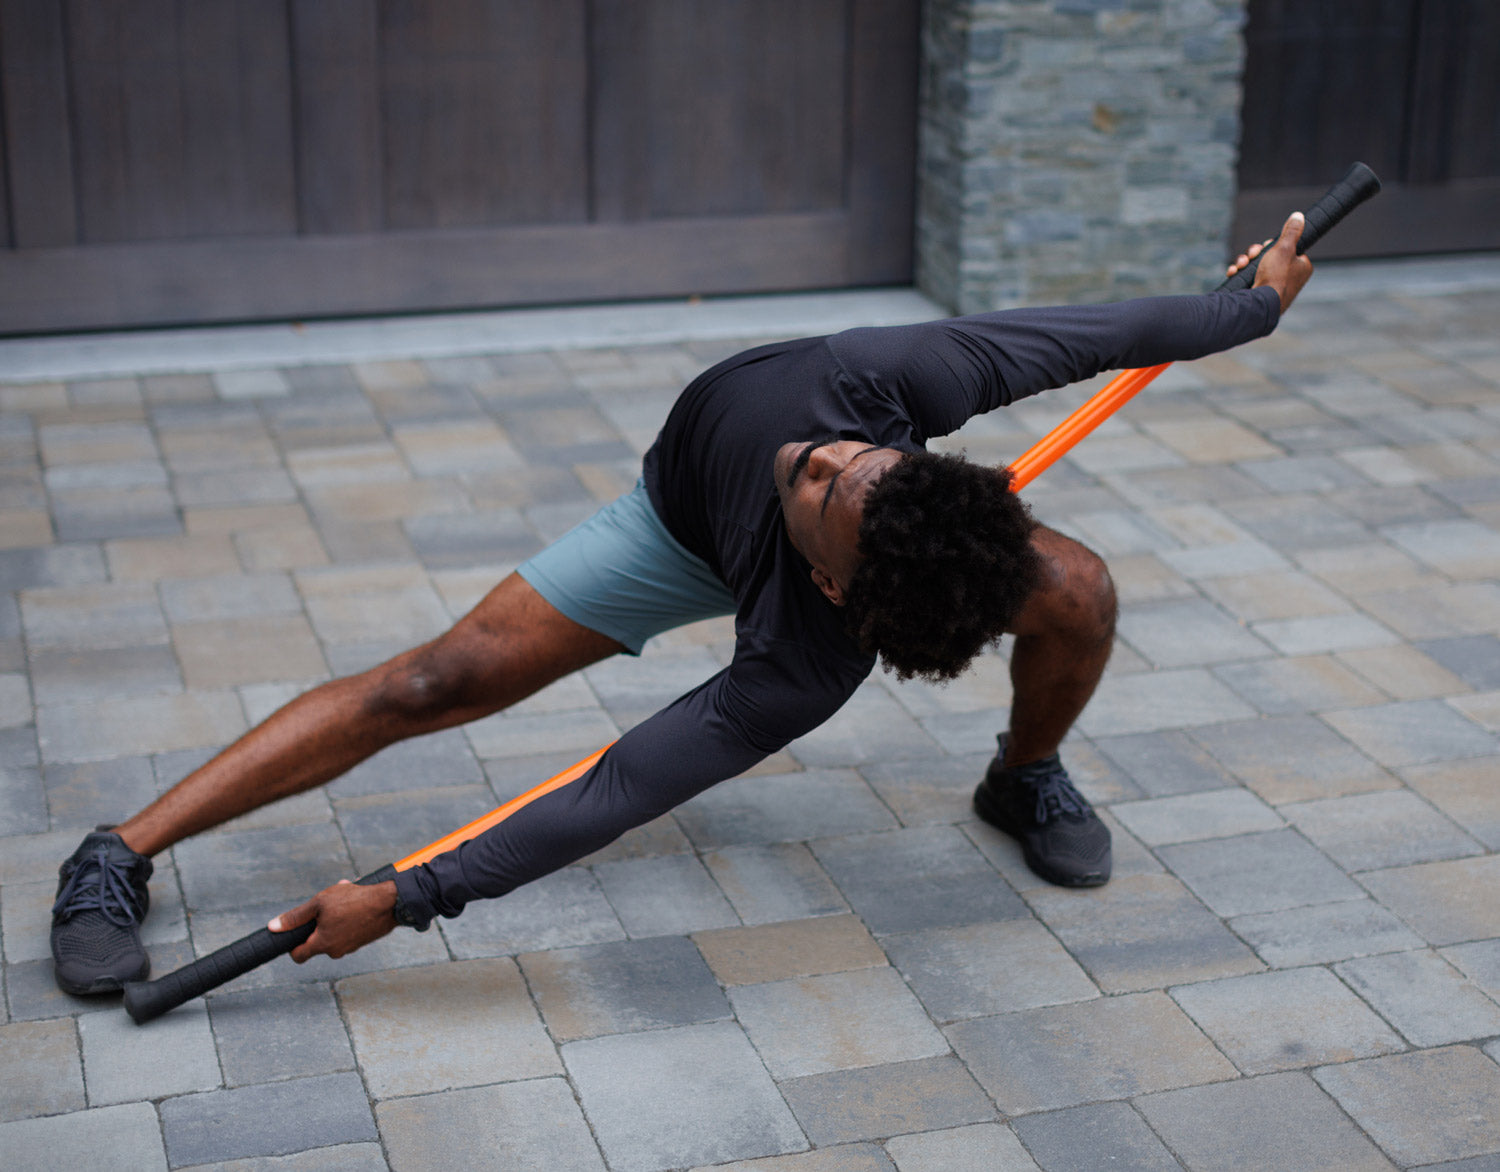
(823, 485)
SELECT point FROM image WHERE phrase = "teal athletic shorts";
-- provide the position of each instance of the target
(622, 574)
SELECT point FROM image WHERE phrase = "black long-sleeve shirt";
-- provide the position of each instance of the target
(709, 478)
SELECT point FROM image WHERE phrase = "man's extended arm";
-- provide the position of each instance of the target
(714, 732)
(945, 372)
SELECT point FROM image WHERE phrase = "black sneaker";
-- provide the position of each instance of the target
(101, 901)
(1062, 838)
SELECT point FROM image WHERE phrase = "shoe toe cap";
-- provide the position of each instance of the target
(1075, 852)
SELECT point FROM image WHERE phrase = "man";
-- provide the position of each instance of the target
(789, 487)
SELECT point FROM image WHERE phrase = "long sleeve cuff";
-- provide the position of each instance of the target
(412, 906)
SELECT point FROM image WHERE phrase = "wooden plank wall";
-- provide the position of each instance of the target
(214, 160)
(443, 64)
(1411, 87)
(725, 110)
(33, 74)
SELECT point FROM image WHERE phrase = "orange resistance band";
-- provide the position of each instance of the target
(500, 813)
(1055, 444)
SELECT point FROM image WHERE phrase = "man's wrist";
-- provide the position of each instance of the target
(408, 916)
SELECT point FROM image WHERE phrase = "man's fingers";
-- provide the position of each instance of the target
(1247, 256)
(348, 917)
(308, 949)
(1281, 267)
(314, 944)
(299, 915)
(1291, 231)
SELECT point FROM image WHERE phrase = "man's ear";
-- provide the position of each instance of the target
(829, 585)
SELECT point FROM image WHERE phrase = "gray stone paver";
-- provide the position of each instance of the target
(922, 878)
(1065, 1056)
(1391, 828)
(122, 1062)
(811, 1025)
(1283, 1020)
(43, 1075)
(623, 987)
(981, 1147)
(1271, 1122)
(662, 896)
(283, 862)
(534, 1124)
(987, 969)
(1142, 932)
(692, 1095)
(471, 1022)
(1095, 1138)
(1292, 758)
(1424, 997)
(266, 1035)
(1324, 932)
(1447, 903)
(131, 1133)
(1423, 1107)
(1166, 763)
(767, 884)
(873, 1101)
(1218, 814)
(826, 965)
(1288, 687)
(1290, 873)
(794, 948)
(861, 1157)
(1414, 732)
(267, 1120)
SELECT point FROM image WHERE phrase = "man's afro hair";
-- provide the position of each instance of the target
(946, 565)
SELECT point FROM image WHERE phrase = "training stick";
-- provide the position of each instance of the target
(145, 1000)
(1358, 185)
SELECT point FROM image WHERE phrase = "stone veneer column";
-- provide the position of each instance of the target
(1075, 150)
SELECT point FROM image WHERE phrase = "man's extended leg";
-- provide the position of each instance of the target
(1063, 638)
(511, 645)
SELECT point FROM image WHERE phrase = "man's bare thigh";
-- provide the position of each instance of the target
(512, 644)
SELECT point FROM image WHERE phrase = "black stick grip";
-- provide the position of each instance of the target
(1358, 184)
(145, 1000)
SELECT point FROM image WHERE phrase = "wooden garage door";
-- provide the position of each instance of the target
(1411, 87)
(178, 161)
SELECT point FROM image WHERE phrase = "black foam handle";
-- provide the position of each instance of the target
(1358, 184)
(145, 1000)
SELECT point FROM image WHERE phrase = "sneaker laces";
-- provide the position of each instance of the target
(1055, 795)
(99, 885)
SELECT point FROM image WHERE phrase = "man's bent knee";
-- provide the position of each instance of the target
(1091, 591)
(1076, 593)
